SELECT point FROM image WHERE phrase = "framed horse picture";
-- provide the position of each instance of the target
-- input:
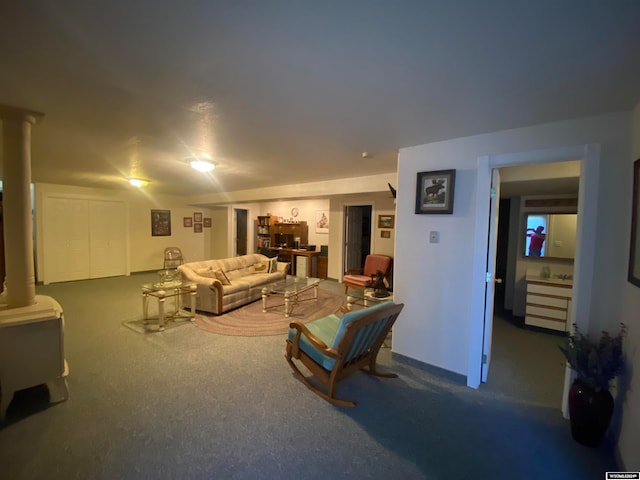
(434, 191)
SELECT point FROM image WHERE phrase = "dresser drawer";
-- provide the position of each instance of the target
(558, 291)
(546, 300)
(548, 313)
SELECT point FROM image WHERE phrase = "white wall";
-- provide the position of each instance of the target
(627, 413)
(219, 241)
(434, 280)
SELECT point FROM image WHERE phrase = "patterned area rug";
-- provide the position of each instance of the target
(250, 321)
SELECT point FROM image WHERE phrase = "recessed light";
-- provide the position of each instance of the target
(201, 165)
(138, 182)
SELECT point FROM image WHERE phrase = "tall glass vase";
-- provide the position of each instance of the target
(589, 413)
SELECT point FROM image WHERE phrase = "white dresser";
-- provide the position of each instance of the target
(549, 303)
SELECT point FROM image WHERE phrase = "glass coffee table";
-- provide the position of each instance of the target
(162, 290)
(291, 290)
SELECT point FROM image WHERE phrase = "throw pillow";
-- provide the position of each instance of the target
(273, 265)
(220, 275)
(206, 272)
(261, 267)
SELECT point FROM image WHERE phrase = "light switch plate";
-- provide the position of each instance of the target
(434, 237)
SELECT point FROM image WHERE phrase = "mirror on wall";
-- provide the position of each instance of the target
(550, 235)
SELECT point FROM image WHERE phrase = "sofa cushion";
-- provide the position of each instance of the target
(325, 329)
(229, 265)
(361, 280)
(235, 287)
(257, 280)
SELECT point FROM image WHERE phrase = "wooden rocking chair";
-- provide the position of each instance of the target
(332, 348)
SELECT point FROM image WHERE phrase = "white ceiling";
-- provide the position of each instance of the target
(285, 92)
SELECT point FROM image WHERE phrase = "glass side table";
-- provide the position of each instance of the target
(171, 289)
(365, 298)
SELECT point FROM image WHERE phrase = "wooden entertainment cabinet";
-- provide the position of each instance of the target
(297, 230)
(267, 231)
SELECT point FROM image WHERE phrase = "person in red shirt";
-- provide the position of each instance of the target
(537, 239)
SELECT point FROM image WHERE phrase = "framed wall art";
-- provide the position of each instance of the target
(207, 223)
(322, 222)
(385, 234)
(197, 227)
(434, 191)
(161, 223)
(187, 221)
(197, 217)
(385, 221)
(634, 251)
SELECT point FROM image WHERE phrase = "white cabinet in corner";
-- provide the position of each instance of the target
(548, 304)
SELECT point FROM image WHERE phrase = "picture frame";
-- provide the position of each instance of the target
(634, 250)
(197, 227)
(322, 221)
(386, 221)
(160, 223)
(207, 223)
(434, 192)
(187, 222)
(197, 217)
(385, 234)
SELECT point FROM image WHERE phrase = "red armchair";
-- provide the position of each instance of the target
(362, 278)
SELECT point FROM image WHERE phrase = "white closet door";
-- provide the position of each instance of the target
(107, 238)
(66, 239)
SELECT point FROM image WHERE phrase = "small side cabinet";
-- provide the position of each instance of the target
(548, 304)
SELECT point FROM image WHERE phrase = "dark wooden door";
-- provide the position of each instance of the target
(241, 231)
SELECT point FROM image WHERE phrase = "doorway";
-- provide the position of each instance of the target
(357, 235)
(241, 231)
(484, 270)
(526, 363)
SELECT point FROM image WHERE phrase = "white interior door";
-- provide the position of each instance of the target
(107, 238)
(65, 239)
(491, 272)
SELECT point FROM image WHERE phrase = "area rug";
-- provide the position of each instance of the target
(250, 321)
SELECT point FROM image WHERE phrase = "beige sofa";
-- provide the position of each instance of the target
(228, 283)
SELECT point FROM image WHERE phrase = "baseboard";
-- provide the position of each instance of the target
(431, 369)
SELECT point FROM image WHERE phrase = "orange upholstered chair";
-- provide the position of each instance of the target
(362, 278)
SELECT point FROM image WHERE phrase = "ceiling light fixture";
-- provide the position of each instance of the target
(138, 182)
(201, 165)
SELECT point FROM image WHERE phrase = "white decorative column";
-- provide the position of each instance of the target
(18, 242)
(31, 326)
